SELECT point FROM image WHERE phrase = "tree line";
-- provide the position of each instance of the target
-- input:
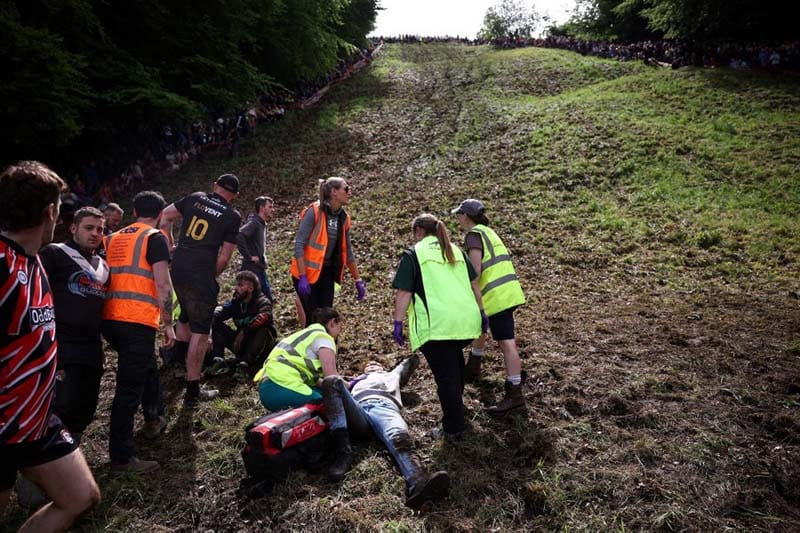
(82, 77)
(766, 21)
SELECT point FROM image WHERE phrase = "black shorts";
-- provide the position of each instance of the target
(502, 325)
(197, 300)
(56, 443)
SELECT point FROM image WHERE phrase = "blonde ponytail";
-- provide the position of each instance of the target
(326, 186)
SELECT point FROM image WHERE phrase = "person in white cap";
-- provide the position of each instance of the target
(501, 293)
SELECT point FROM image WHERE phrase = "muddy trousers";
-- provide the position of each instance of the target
(322, 292)
(80, 370)
(382, 417)
(255, 346)
(137, 384)
(446, 361)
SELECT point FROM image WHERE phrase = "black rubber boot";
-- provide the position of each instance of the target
(343, 455)
(472, 372)
(512, 400)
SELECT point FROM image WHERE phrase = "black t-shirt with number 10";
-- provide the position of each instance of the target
(208, 221)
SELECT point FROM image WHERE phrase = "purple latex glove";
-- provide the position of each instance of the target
(362, 290)
(484, 322)
(397, 334)
(303, 286)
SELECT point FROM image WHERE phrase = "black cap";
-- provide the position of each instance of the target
(229, 182)
(470, 206)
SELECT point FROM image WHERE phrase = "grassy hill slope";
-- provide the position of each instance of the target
(653, 219)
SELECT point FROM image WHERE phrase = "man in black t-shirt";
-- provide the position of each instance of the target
(206, 242)
(79, 281)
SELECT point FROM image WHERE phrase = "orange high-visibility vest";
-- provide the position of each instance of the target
(314, 252)
(132, 294)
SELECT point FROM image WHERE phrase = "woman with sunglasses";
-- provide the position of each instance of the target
(322, 248)
(437, 286)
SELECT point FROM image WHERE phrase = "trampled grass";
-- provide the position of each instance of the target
(652, 215)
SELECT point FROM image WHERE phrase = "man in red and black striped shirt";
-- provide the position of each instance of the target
(32, 439)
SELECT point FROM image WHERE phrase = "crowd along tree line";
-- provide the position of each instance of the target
(626, 21)
(82, 77)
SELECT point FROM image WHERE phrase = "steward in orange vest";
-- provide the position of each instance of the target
(132, 296)
(322, 249)
(315, 250)
(139, 294)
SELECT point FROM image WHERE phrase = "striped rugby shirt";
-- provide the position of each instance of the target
(27, 346)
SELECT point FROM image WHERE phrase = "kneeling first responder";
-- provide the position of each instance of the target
(293, 376)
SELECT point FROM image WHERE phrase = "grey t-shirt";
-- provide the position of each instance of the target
(382, 384)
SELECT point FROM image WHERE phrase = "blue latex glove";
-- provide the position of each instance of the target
(303, 286)
(484, 322)
(397, 334)
(362, 290)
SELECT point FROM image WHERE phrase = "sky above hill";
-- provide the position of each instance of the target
(449, 17)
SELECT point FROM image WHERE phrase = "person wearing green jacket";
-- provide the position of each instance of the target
(501, 292)
(437, 286)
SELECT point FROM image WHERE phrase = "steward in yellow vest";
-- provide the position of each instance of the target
(301, 369)
(292, 374)
(501, 292)
(437, 286)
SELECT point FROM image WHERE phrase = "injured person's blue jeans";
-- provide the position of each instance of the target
(379, 416)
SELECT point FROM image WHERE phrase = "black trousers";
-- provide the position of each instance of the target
(446, 361)
(137, 384)
(80, 369)
(321, 293)
(253, 349)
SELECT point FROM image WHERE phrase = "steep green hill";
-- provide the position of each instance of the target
(653, 219)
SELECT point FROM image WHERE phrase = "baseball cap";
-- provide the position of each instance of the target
(229, 182)
(470, 206)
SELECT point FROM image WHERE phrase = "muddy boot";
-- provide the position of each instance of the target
(472, 372)
(343, 455)
(512, 400)
(427, 489)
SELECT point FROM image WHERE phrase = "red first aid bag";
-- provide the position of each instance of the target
(288, 440)
(284, 429)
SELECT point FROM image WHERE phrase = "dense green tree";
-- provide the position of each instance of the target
(708, 20)
(44, 91)
(510, 18)
(730, 20)
(610, 20)
(82, 75)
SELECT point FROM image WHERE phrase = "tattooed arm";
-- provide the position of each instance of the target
(164, 290)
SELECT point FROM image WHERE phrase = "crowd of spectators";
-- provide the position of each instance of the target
(785, 56)
(104, 181)
(411, 39)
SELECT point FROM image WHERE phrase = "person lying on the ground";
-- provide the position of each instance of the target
(254, 334)
(373, 400)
